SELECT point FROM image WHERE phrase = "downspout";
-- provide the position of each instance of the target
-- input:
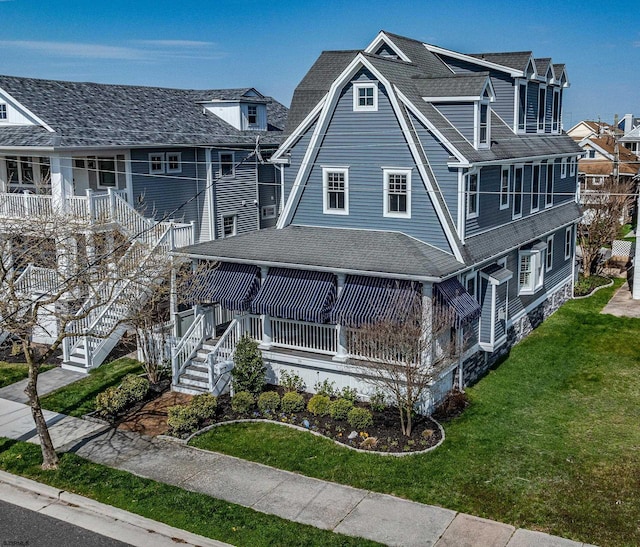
(257, 164)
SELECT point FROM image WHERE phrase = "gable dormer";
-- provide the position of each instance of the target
(13, 113)
(530, 72)
(384, 46)
(248, 113)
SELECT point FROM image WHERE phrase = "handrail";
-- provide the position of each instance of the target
(187, 347)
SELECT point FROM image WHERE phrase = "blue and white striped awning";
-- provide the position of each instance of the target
(296, 294)
(370, 300)
(233, 286)
(453, 297)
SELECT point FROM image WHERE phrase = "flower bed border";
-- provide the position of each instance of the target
(299, 428)
(594, 291)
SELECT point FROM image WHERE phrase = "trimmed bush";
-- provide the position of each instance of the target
(248, 373)
(290, 381)
(269, 402)
(204, 406)
(135, 387)
(339, 409)
(114, 400)
(292, 402)
(319, 405)
(360, 418)
(183, 420)
(349, 393)
(242, 402)
(377, 401)
(325, 388)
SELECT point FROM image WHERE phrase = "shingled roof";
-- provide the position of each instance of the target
(91, 115)
(512, 59)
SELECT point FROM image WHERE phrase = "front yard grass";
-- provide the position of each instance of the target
(10, 373)
(550, 442)
(78, 398)
(190, 511)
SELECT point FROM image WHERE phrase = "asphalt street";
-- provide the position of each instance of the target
(20, 527)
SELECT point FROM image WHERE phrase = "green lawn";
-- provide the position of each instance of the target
(550, 442)
(10, 373)
(190, 511)
(78, 399)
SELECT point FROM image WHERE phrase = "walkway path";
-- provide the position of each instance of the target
(622, 305)
(343, 509)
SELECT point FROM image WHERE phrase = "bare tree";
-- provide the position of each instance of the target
(404, 351)
(605, 205)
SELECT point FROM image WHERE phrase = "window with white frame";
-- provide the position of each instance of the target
(531, 269)
(174, 162)
(563, 168)
(522, 107)
(535, 188)
(156, 163)
(227, 167)
(518, 175)
(568, 242)
(549, 257)
(365, 96)
(252, 114)
(470, 283)
(3, 111)
(548, 194)
(542, 107)
(107, 175)
(572, 170)
(19, 170)
(473, 195)
(267, 212)
(397, 193)
(229, 225)
(484, 125)
(335, 182)
(556, 111)
(505, 181)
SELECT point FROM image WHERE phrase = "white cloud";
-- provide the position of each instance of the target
(174, 43)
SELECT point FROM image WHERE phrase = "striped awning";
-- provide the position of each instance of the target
(233, 286)
(296, 294)
(453, 297)
(370, 300)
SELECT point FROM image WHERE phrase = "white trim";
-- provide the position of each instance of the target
(572, 166)
(461, 204)
(563, 168)
(383, 38)
(459, 99)
(179, 161)
(568, 242)
(268, 211)
(548, 259)
(481, 62)
(543, 107)
(17, 104)
(297, 133)
(233, 163)
(539, 300)
(325, 187)
(515, 215)
(504, 206)
(235, 225)
(537, 268)
(533, 209)
(357, 86)
(549, 203)
(160, 160)
(479, 144)
(386, 171)
(472, 214)
(521, 84)
(128, 176)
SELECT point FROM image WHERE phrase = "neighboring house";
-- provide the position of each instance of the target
(408, 169)
(135, 156)
(630, 127)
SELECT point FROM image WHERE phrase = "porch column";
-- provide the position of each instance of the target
(61, 182)
(342, 354)
(267, 340)
(428, 344)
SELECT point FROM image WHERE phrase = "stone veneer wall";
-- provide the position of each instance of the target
(479, 364)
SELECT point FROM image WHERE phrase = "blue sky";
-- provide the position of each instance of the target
(271, 45)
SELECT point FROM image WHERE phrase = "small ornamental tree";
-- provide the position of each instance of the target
(248, 373)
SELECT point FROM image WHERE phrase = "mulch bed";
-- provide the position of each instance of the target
(151, 418)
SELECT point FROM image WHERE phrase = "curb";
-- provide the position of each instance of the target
(175, 534)
(594, 291)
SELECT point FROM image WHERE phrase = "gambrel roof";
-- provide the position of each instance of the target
(90, 114)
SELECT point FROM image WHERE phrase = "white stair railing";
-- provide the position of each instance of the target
(188, 346)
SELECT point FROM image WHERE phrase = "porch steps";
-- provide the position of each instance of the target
(195, 378)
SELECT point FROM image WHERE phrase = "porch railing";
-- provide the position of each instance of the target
(36, 279)
(189, 345)
(299, 335)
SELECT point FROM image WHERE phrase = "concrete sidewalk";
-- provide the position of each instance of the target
(622, 304)
(47, 382)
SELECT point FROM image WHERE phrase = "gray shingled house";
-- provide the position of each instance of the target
(408, 168)
(136, 157)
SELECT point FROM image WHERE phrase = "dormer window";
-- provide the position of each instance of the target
(549, 76)
(483, 126)
(530, 72)
(542, 106)
(557, 105)
(252, 114)
(522, 106)
(3, 111)
(365, 97)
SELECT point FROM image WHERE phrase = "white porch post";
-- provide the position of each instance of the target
(61, 182)
(428, 345)
(267, 339)
(635, 294)
(342, 354)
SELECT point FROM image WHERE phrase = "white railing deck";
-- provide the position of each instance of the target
(314, 337)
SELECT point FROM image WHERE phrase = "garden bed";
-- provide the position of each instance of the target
(585, 286)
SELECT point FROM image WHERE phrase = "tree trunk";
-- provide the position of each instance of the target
(49, 456)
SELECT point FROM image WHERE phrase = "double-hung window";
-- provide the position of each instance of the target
(548, 194)
(365, 96)
(518, 175)
(473, 195)
(3, 111)
(156, 163)
(252, 114)
(397, 193)
(568, 242)
(335, 182)
(531, 268)
(549, 257)
(227, 167)
(505, 181)
(174, 162)
(484, 127)
(535, 188)
(572, 169)
(542, 107)
(229, 226)
(107, 176)
(563, 168)
(522, 107)
(19, 170)
(556, 111)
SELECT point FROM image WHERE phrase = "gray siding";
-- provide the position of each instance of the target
(548, 113)
(532, 107)
(485, 302)
(366, 142)
(489, 213)
(297, 152)
(501, 300)
(269, 191)
(461, 115)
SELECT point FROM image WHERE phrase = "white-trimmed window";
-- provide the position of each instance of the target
(531, 269)
(267, 212)
(3, 111)
(227, 164)
(229, 225)
(542, 108)
(563, 168)
(174, 162)
(473, 195)
(548, 194)
(505, 183)
(549, 257)
(156, 163)
(365, 96)
(470, 284)
(252, 114)
(535, 188)
(572, 169)
(556, 111)
(568, 242)
(107, 176)
(20, 170)
(397, 193)
(518, 175)
(335, 194)
(522, 107)
(484, 124)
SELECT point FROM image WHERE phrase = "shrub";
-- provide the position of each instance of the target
(452, 405)
(242, 402)
(269, 402)
(360, 418)
(204, 406)
(339, 409)
(349, 393)
(292, 402)
(183, 420)
(325, 388)
(377, 401)
(135, 387)
(319, 405)
(248, 373)
(290, 381)
(115, 400)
